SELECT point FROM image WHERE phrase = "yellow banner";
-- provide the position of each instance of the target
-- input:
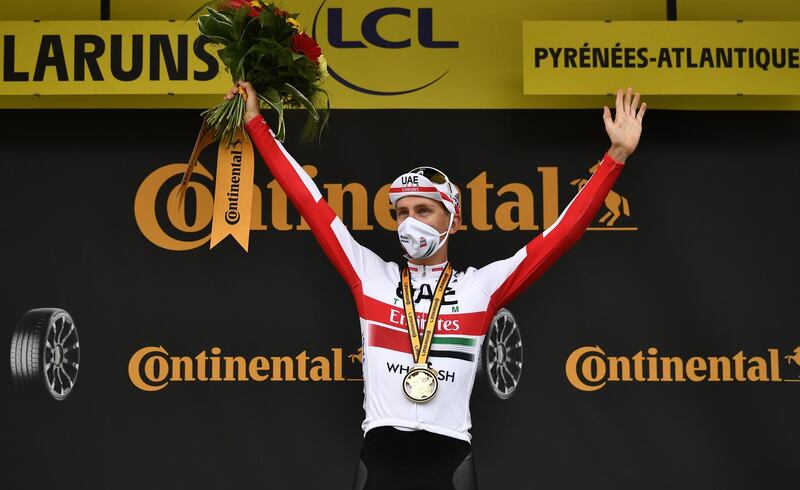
(381, 55)
(109, 58)
(662, 58)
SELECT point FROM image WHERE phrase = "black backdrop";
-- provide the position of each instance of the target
(711, 270)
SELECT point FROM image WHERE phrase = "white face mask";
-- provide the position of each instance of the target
(421, 240)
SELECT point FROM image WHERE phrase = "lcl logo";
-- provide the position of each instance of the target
(369, 29)
(370, 35)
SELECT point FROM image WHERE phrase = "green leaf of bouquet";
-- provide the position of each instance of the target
(312, 130)
(325, 113)
(269, 42)
(212, 27)
(220, 17)
(211, 2)
(276, 26)
(284, 58)
(280, 135)
(217, 39)
(239, 72)
(238, 22)
(272, 95)
(213, 31)
(233, 58)
(247, 61)
(303, 100)
(248, 29)
(281, 128)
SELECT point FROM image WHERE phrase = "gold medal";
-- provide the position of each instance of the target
(420, 384)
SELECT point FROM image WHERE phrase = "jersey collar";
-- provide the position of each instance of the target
(425, 271)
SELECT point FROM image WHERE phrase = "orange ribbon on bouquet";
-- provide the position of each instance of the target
(233, 191)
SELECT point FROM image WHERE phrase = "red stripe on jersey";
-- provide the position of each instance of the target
(446, 324)
(389, 339)
(395, 190)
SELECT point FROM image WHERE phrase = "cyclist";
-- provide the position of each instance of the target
(417, 416)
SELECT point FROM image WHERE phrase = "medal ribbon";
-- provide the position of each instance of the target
(420, 350)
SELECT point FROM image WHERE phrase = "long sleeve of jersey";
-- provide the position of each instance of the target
(352, 260)
(504, 279)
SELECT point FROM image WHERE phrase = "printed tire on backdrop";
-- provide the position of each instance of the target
(500, 362)
(45, 354)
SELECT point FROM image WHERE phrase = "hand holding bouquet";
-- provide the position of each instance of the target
(252, 108)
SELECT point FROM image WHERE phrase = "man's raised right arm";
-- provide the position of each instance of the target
(353, 261)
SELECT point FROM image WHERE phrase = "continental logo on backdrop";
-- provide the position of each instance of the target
(152, 368)
(488, 206)
(590, 368)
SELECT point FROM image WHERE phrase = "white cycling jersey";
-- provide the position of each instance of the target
(472, 297)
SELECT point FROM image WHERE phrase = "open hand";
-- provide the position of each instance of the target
(252, 108)
(626, 127)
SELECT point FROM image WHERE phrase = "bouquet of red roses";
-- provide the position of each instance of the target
(266, 46)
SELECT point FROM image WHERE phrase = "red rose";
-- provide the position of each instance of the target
(305, 44)
(279, 12)
(253, 11)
